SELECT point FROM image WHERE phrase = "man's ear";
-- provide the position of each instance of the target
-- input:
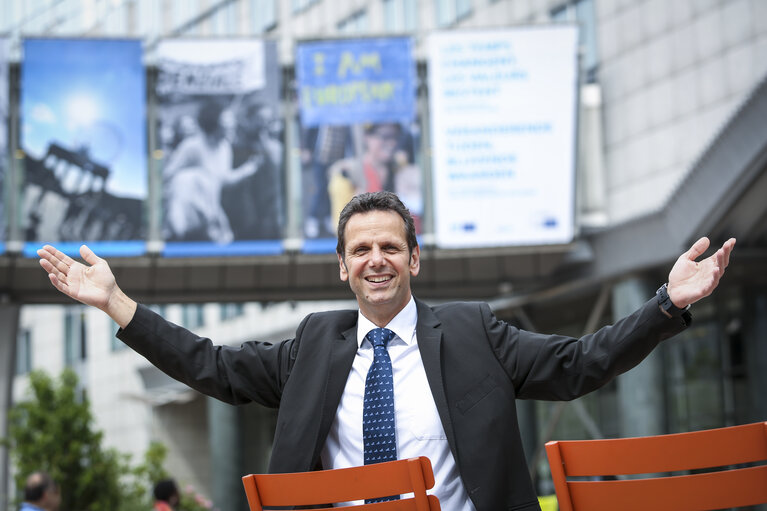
(342, 268)
(415, 261)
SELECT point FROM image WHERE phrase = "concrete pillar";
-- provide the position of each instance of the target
(225, 458)
(591, 185)
(756, 352)
(258, 424)
(641, 401)
(528, 429)
(9, 325)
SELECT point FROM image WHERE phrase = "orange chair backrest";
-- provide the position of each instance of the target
(326, 487)
(716, 457)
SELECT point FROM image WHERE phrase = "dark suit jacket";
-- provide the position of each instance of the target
(476, 366)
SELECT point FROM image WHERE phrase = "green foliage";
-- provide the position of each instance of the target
(54, 431)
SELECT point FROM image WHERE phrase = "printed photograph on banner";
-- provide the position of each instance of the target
(220, 137)
(3, 141)
(339, 162)
(83, 133)
(358, 127)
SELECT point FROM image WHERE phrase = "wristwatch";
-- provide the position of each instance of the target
(665, 304)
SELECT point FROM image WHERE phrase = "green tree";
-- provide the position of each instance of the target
(53, 430)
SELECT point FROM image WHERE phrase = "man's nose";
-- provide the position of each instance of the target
(376, 256)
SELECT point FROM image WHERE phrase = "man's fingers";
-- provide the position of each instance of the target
(47, 266)
(61, 256)
(728, 246)
(56, 257)
(57, 283)
(88, 255)
(697, 249)
(54, 266)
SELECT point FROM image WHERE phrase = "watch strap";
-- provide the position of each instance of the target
(666, 305)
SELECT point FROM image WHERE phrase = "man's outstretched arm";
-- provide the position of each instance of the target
(92, 285)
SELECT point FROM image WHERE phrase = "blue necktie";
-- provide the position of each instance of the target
(378, 432)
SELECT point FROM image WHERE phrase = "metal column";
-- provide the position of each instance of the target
(640, 390)
(9, 325)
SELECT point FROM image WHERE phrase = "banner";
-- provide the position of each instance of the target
(221, 137)
(83, 133)
(503, 119)
(359, 131)
(4, 115)
(358, 80)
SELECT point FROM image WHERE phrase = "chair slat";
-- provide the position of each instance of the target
(393, 505)
(717, 449)
(414, 475)
(666, 453)
(698, 492)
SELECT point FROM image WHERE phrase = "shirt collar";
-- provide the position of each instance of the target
(403, 324)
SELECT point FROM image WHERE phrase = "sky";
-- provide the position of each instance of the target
(88, 93)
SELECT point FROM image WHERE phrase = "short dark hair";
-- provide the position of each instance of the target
(376, 201)
(36, 485)
(165, 490)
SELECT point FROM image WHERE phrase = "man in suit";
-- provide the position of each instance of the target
(456, 369)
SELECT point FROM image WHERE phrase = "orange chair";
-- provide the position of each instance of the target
(713, 484)
(412, 475)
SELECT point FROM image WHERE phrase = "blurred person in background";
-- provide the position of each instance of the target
(254, 205)
(166, 496)
(41, 493)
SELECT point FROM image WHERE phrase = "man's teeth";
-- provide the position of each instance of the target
(378, 279)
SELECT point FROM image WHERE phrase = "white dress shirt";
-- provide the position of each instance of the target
(418, 427)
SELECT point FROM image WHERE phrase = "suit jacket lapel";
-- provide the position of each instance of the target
(429, 336)
(340, 359)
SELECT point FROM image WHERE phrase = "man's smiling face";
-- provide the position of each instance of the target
(378, 264)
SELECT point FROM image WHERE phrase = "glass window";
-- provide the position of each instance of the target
(263, 15)
(184, 13)
(148, 17)
(451, 11)
(224, 20)
(694, 375)
(74, 336)
(192, 315)
(582, 13)
(354, 24)
(116, 19)
(70, 17)
(158, 308)
(232, 310)
(24, 352)
(34, 16)
(300, 5)
(8, 16)
(115, 343)
(400, 15)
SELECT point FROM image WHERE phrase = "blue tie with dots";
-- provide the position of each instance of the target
(378, 409)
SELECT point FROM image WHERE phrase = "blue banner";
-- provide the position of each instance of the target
(358, 80)
(83, 135)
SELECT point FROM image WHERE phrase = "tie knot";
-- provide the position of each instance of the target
(380, 336)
